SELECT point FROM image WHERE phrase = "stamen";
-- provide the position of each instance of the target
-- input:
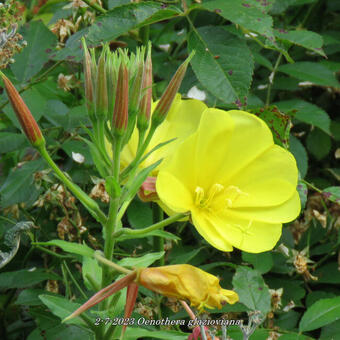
(199, 195)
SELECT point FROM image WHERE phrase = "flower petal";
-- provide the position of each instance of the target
(283, 213)
(173, 193)
(268, 180)
(223, 232)
(250, 138)
(214, 236)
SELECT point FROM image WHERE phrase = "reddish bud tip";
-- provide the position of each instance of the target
(27, 121)
(88, 78)
(145, 104)
(131, 296)
(169, 94)
(120, 112)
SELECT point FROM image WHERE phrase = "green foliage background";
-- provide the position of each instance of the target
(276, 58)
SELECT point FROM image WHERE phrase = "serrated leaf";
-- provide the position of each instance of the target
(223, 63)
(318, 143)
(278, 122)
(262, 262)
(40, 44)
(307, 39)
(114, 23)
(307, 113)
(142, 261)
(300, 154)
(251, 289)
(321, 313)
(313, 72)
(69, 247)
(244, 13)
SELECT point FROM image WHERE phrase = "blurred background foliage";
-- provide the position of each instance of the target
(276, 58)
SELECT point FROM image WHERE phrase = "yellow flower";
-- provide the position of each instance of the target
(183, 281)
(238, 185)
(181, 121)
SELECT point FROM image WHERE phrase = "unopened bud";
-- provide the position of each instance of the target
(136, 89)
(145, 104)
(120, 113)
(89, 95)
(169, 94)
(101, 89)
(27, 121)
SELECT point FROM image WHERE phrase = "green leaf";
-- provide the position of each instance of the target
(300, 154)
(69, 247)
(331, 331)
(114, 23)
(278, 122)
(93, 269)
(245, 14)
(332, 193)
(19, 185)
(40, 44)
(307, 39)
(262, 262)
(329, 273)
(77, 146)
(251, 289)
(30, 297)
(10, 141)
(307, 113)
(318, 144)
(321, 313)
(313, 72)
(25, 278)
(139, 214)
(142, 261)
(222, 63)
(160, 233)
(56, 112)
(69, 332)
(62, 307)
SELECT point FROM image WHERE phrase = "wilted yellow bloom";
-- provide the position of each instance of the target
(181, 121)
(183, 281)
(237, 184)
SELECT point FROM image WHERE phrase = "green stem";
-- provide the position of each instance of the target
(95, 6)
(311, 186)
(111, 264)
(112, 220)
(66, 282)
(88, 202)
(50, 252)
(74, 281)
(158, 242)
(159, 225)
(134, 164)
(271, 79)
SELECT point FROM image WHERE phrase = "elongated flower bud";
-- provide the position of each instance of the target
(120, 113)
(183, 281)
(169, 94)
(145, 104)
(101, 89)
(27, 121)
(136, 89)
(89, 95)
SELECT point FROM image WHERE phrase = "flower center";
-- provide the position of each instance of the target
(229, 195)
(204, 201)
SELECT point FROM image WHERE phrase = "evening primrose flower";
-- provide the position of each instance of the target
(186, 282)
(181, 121)
(237, 184)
